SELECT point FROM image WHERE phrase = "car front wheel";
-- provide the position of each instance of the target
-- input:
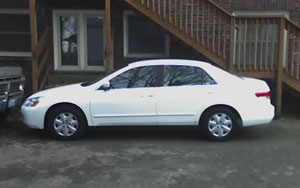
(219, 123)
(66, 123)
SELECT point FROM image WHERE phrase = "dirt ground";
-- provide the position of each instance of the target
(262, 156)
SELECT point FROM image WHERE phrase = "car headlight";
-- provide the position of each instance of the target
(21, 86)
(32, 102)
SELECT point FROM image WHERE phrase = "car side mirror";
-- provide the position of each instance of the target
(105, 86)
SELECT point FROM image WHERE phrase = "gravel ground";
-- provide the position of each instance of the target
(262, 156)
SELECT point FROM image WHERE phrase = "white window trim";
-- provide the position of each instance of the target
(15, 54)
(140, 55)
(81, 38)
(263, 13)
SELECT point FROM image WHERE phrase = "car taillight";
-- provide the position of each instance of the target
(263, 94)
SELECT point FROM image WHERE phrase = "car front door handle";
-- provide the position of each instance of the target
(150, 96)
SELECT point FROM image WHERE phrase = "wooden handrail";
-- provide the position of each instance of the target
(220, 8)
(44, 79)
(42, 53)
(288, 21)
(45, 58)
(46, 36)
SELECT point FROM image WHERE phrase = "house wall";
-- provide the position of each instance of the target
(14, 4)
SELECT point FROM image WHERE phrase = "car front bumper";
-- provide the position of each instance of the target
(33, 117)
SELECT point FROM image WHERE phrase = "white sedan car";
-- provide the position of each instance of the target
(156, 93)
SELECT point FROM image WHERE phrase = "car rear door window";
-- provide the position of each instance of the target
(176, 75)
(148, 76)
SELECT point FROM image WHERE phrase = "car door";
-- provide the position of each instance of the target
(185, 89)
(131, 100)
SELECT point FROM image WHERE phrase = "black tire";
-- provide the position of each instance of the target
(66, 122)
(219, 123)
(4, 116)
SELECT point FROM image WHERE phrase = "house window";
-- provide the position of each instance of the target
(256, 40)
(15, 33)
(142, 38)
(79, 40)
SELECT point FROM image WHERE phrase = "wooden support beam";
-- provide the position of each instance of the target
(33, 30)
(33, 23)
(108, 41)
(280, 67)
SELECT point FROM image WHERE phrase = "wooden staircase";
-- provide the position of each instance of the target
(203, 25)
(262, 47)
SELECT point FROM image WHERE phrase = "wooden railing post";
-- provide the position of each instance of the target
(280, 67)
(232, 45)
(33, 28)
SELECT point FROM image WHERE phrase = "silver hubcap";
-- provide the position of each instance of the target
(220, 125)
(65, 124)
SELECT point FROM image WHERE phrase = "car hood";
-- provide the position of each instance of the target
(68, 90)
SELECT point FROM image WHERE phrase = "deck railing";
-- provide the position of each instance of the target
(256, 43)
(292, 59)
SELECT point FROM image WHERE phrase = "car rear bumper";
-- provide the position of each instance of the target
(262, 115)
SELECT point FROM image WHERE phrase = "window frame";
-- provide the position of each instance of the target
(166, 53)
(16, 12)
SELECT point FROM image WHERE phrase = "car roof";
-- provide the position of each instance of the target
(170, 62)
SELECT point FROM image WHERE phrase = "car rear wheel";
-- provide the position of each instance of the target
(219, 123)
(66, 123)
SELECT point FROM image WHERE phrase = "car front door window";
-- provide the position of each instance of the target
(147, 76)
